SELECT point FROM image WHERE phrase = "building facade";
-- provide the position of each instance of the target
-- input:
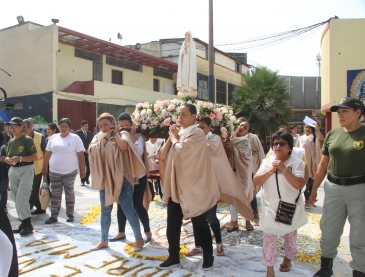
(343, 64)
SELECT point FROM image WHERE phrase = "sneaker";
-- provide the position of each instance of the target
(208, 263)
(170, 262)
(70, 218)
(51, 220)
(194, 251)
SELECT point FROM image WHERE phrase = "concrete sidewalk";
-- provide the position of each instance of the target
(62, 249)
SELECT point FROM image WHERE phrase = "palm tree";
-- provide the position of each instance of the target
(263, 99)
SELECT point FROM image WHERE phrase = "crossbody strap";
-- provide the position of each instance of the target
(277, 186)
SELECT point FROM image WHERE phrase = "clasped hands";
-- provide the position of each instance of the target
(277, 165)
(12, 160)
(174, 132)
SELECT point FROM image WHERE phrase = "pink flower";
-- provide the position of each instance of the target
(167, 122)
(156, 108)
(136, 120)
(146, 104)
(144, 126)
(139, 105)
(223, 130)
(206, 105)
(224, 135)
(220, 117)
(171, 107)
(228, 115)
(212, 115)
(155, 122)
(217, 111)
(165, 102)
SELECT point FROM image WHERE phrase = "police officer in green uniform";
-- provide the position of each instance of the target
(343, 162)
(21, 154)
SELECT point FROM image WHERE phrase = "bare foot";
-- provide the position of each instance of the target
(100, 245)
(270, 271)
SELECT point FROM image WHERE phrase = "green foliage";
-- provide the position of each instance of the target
(38, 119)
(263, 98)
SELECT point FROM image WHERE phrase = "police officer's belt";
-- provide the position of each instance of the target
(22, 164)
(346, 181)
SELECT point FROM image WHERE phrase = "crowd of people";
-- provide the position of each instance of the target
(197, 169)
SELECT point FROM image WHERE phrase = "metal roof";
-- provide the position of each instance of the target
(93, 44)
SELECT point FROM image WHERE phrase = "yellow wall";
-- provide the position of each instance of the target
(345, 43)
(73, 69)
(28, 53)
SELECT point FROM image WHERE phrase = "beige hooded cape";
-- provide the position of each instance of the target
(313, 154)
(109, 165)
(240, 159)
(189, 177)
(230, 190)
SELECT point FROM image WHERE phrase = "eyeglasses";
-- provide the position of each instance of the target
(282, 144)
(13, 126)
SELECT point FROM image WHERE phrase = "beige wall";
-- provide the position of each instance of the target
(28, 53)
(344, 42)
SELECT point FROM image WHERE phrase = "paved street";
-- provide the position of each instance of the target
(62, 249)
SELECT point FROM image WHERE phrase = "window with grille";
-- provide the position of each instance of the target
(202, 87)
(88, 55)
(156, 85)
(123, 64)
(161, 73)
(117, 77)
(97, 71)
(221, 88)
(231, 89)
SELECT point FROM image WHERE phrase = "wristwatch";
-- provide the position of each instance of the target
(20, 159)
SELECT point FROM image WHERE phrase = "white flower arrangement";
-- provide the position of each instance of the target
(157, 117)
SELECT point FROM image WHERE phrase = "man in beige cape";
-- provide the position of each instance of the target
(189, 184)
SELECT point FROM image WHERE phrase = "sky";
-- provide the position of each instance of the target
(141, 21)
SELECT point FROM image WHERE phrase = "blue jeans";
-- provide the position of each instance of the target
(126, 202)
(4, 191)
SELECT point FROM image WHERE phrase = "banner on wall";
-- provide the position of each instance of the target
(356, 84)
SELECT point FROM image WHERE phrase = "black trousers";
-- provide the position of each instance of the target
(173, 231)
(87, 168)
(34, 197)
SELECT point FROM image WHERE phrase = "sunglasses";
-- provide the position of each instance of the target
(282, 144)
(13, 126)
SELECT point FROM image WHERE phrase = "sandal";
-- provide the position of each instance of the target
(232, 228)
(194, 251)
(285, 267)
(220, 250)
(249, 226)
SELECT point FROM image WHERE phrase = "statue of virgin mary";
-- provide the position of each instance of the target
(186, 73)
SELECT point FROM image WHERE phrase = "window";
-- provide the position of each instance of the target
(221, 88)
(11, 106)
(238, 67)
(202, 87)
(97, 71)
(117, 77)
(123, 64)
(231, 89)
(156, 85)
(88, 55)
(161, 73)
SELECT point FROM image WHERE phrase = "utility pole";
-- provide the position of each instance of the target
(211, 55)
(318, 57)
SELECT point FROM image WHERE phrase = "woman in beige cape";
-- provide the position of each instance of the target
(230, 190)
(189, 184)
(311, 141)
(114, 170)
(141, 190)
(241, 160)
